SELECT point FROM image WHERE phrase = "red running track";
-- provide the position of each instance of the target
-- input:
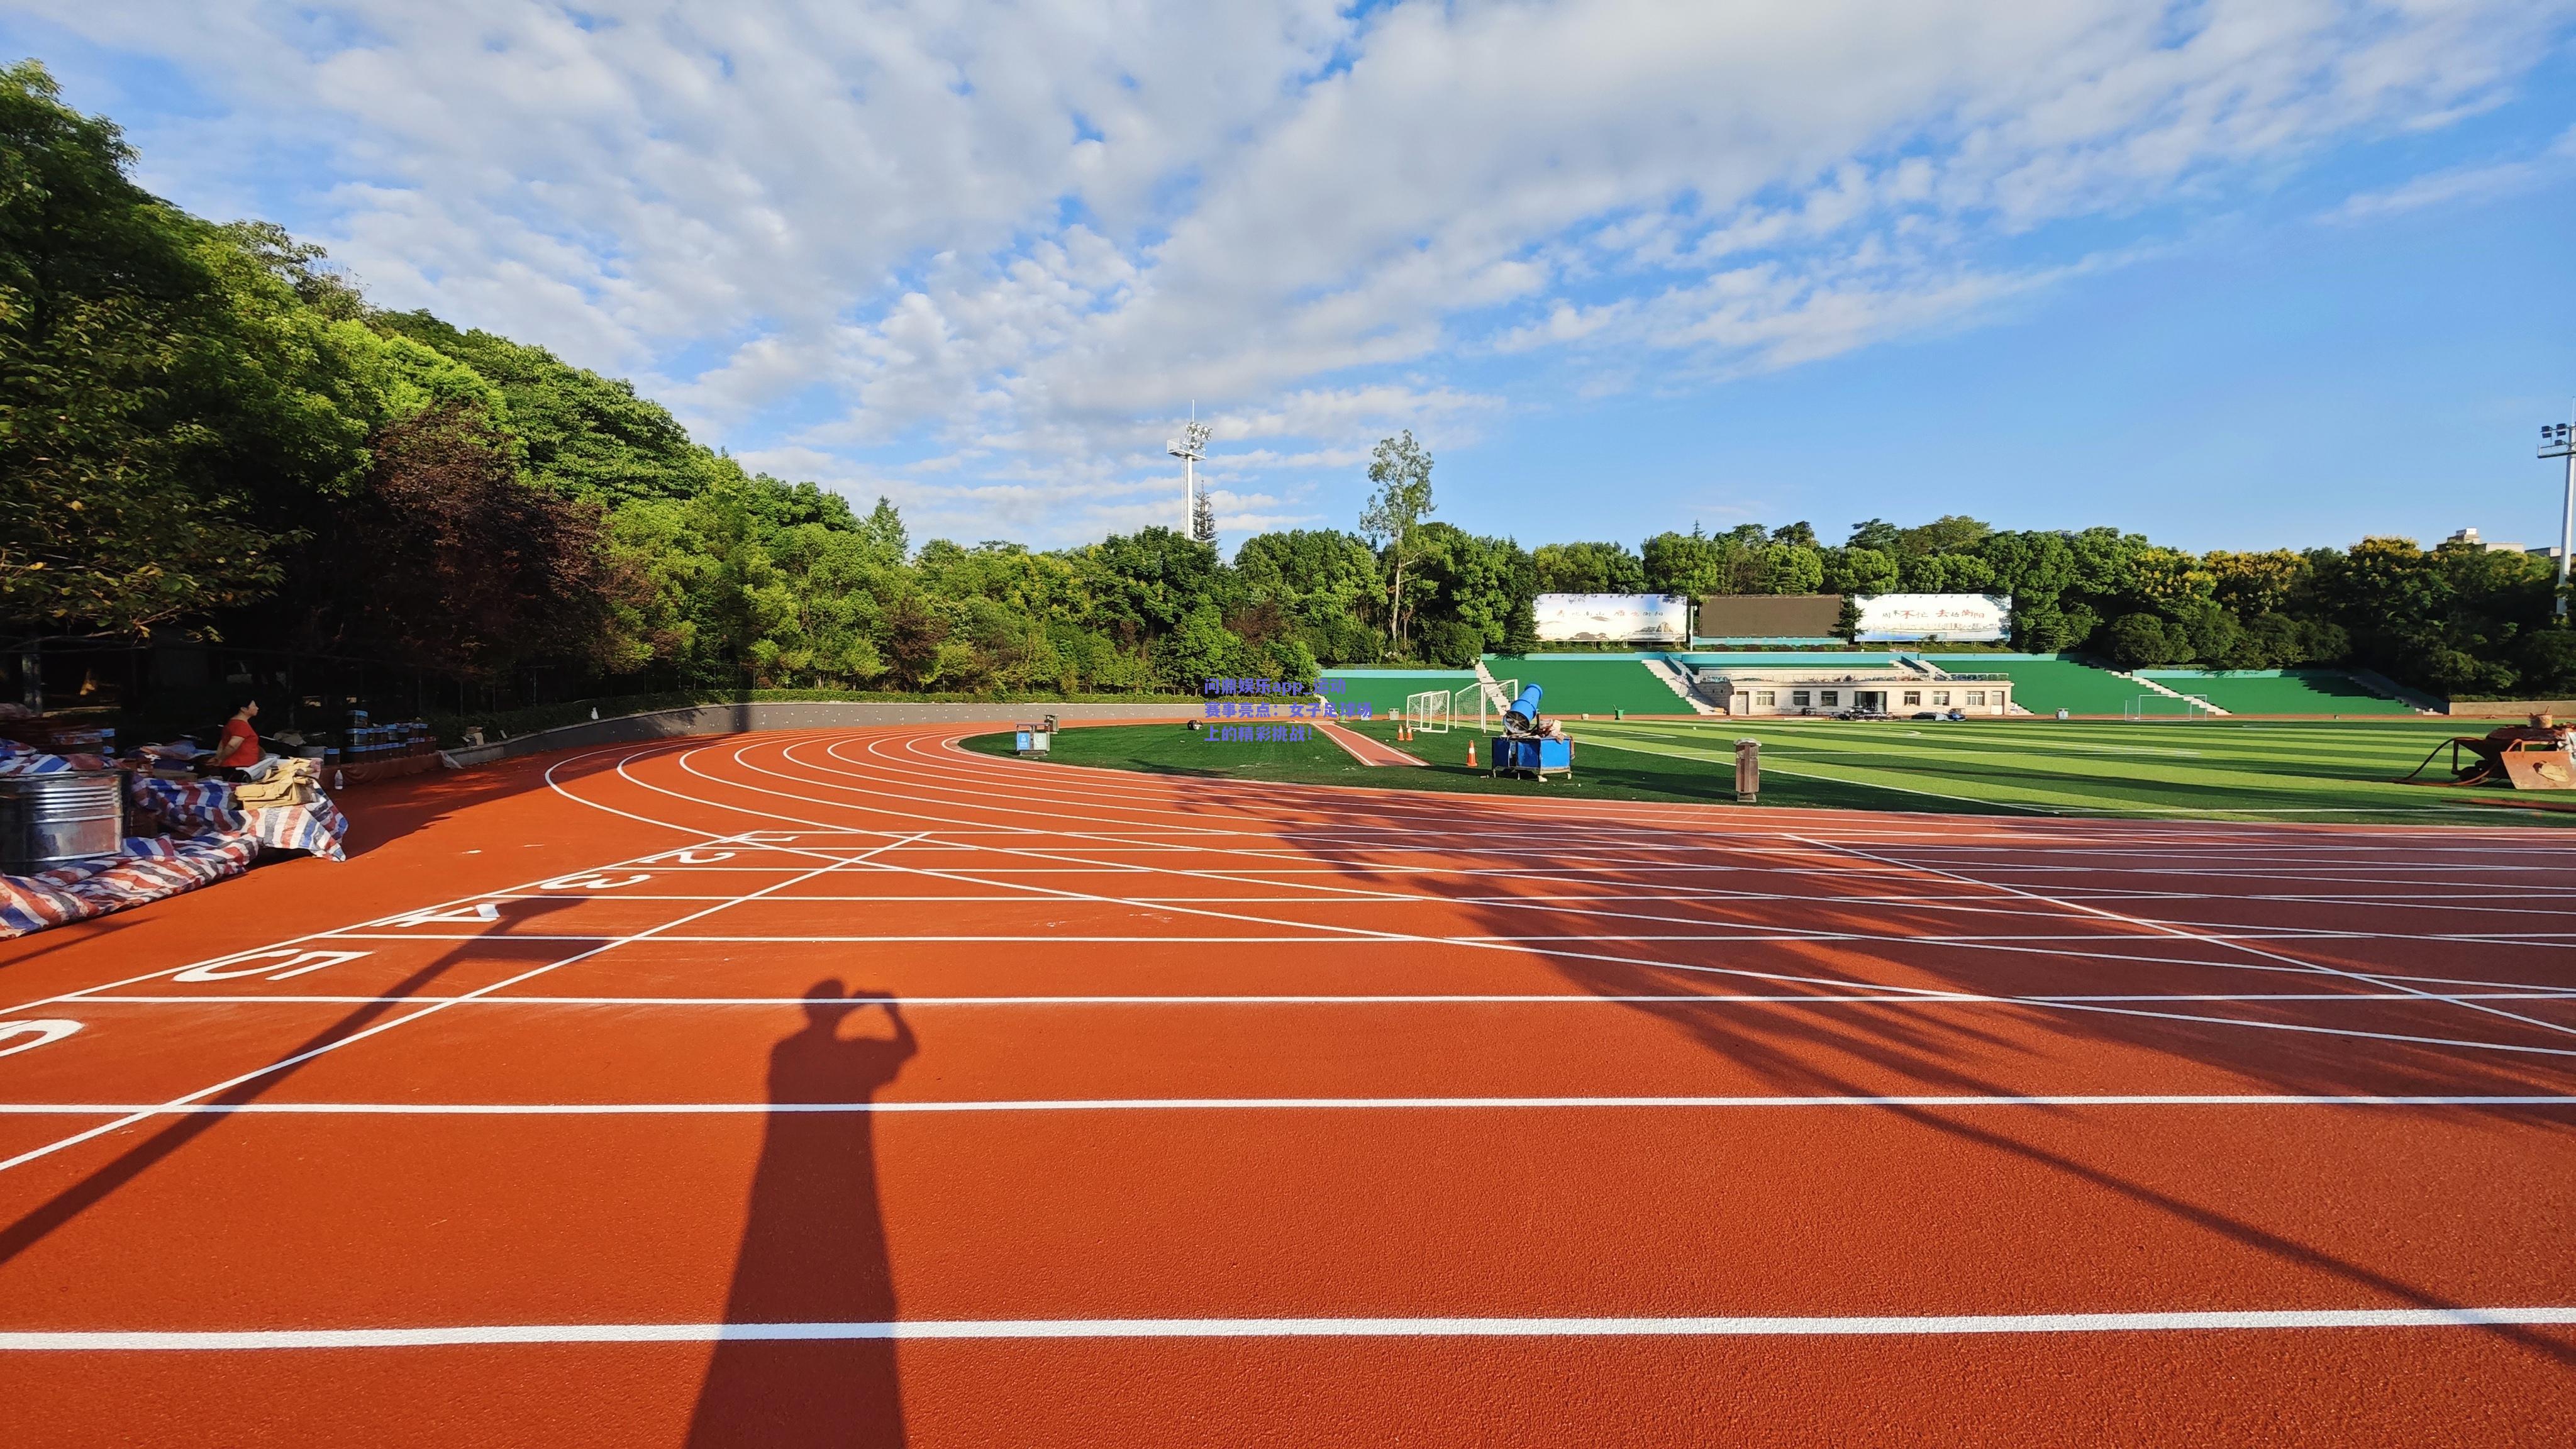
(849, 1088)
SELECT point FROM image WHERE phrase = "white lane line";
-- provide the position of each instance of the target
(2170, 930)
(1366, 937)
(1454, 808)
(83, 992)
(102, 1129)
(1552, 948)
(2258, 1320)
(1267, 1104)
(1459, 998)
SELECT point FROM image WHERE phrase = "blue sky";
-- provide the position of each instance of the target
(2231, 274)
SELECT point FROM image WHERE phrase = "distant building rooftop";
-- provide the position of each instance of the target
(2470, 537)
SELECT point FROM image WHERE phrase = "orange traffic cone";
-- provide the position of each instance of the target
(1471, 754)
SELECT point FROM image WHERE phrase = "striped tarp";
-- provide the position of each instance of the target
(199, 835)
(164, 867)
(195, 807)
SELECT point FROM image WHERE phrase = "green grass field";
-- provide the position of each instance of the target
(2208, 769)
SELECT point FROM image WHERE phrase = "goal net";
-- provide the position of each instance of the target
(1490, 701)
(1429, 711)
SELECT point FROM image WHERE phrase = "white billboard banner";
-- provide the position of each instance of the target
(1613, 619)
(1889, 617)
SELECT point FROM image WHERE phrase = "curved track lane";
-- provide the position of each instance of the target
(851, 1087)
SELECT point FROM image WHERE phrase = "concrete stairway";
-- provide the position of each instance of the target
(1681, 684)
(2156, 688)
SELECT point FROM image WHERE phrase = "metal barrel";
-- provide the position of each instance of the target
(51, 820)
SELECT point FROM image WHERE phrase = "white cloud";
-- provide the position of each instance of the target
(1012, 242)
(2463, 185)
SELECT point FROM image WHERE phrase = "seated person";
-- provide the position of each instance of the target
(238, 755)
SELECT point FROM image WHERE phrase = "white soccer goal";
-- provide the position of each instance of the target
(2164, 706)
(1428, 711)
(1491, 701)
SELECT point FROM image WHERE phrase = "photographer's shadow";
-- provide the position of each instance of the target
(813, 1249)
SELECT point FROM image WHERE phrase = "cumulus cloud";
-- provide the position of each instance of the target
(979, 256)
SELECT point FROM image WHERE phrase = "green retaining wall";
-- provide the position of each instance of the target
(1384, 690)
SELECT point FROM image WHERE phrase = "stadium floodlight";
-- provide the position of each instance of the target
(2558, 440)
(1191, 448)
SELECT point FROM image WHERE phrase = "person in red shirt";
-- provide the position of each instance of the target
(239, 748)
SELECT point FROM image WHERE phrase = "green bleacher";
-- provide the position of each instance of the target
(2303, 691)
(1384, 690)
(1590, 686)
(2045, 686)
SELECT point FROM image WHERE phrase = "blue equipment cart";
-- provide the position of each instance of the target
(1535, 756)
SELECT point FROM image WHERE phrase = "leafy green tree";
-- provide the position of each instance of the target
(1588, 568)
(1520, 631)
(1950, 533)
(447, 558)
(1328, 584)
(2143, 640)
(585, 435)
(2169, 580)
(1473, 581)
(1944, 573)
(2546, 662)
(2256, 583)
(1147, 582)
(1858, 570)
(142, 415)
(884, 530)
(1198, 648)
(1791, 568)
(1687, 563)
(1401, 470)
(1877, 535)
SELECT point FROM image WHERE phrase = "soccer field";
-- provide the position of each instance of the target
(2325, 771)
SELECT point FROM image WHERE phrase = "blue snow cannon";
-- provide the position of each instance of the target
(1522, 750)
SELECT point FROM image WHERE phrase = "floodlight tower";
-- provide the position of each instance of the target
(2558, 440)
(1191, 448)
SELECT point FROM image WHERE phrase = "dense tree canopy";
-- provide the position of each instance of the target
(204, 426)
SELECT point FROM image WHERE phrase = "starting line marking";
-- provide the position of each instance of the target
(1239, 1104)
(37, 1032)
(1929, 1325)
